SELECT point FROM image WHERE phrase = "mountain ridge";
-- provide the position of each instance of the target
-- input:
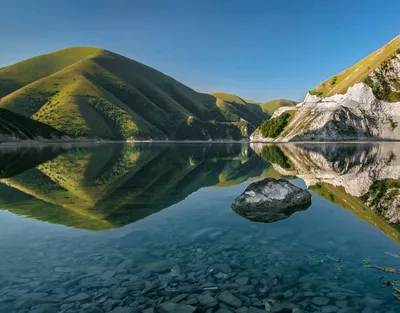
(91, 92)
(340, 83)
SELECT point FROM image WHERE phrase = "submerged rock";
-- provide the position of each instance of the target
(271, 200)
(169, 307)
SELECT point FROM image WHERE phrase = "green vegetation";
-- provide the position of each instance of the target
(235, 109)
(271, 106)
(315, 92)
(19, 127)
(392, 124)
(358, 72)
(90, 92)
(23, 73)
(381, 86)
(274, 126)
(275, 155)
(379, 188)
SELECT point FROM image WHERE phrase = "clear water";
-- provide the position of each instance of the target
(127, 228)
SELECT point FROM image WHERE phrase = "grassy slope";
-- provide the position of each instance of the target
(271, 106)
(358, 72)
(244, 112)
(89, 92)
(19, 127)
(25, 72)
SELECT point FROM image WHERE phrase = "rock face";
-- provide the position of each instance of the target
(356, 115)
(358, 104)
(271, 200)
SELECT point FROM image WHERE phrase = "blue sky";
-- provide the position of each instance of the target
(257, 49)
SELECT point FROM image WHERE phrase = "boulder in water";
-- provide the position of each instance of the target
(271, 200)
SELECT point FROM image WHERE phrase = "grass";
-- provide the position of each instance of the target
(228, 97)
(28, 71)
(271, 106)
(235, 109)
(17, 126)
(89, 92)
(339, 84)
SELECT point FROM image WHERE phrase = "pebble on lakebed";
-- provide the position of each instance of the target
(271, 200)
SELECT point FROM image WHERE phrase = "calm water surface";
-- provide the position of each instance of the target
(128, 228)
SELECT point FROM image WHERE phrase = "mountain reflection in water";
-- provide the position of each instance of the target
(107, 186)
(66, 246)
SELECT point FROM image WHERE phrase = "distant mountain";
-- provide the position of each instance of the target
(90, 92)
(271, 106)
(15, 127)
(235, 108)
(361, 103)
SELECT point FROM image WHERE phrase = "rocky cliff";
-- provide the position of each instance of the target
(366, 108)
(356, 115)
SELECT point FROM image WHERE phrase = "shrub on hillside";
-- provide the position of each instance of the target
(315, 92)
(274, 126)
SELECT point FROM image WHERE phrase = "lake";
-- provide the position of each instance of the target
(129, 228)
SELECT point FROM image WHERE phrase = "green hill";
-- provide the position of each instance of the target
(236, 109)
(89, 92)
(271, 106)
(359, 72)
(16, 127)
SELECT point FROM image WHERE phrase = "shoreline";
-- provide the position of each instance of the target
(32, 143)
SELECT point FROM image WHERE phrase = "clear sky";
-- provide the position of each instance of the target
(257, 49)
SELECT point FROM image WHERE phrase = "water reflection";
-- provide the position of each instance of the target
(111, 186)
(191, 248)
(363, 178)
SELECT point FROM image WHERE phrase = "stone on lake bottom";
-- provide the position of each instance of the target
(229, 299)
(207, 301)
(242, 281)
(160, 266)
(168, 307)
(253, 309)
(78, 298)
(320, 301)
(329, 309)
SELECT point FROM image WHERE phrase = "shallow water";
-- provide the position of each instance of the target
(127, 228)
